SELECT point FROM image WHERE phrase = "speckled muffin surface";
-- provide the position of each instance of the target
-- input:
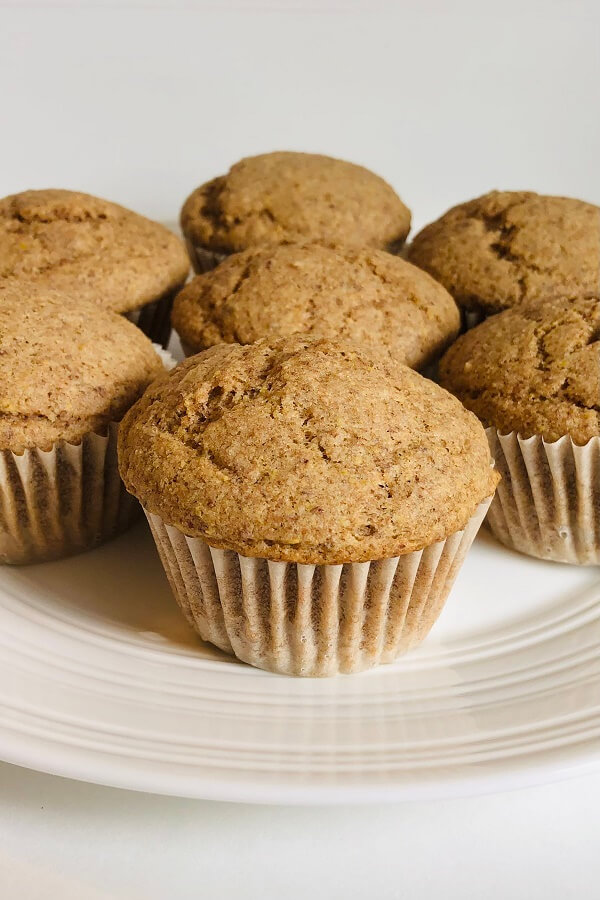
(88, 248)
(278, 197)
(368, 297)
(304, 450)
(508, 246)
(65, 370)
(534, 369)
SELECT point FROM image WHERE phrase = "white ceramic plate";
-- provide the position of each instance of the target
(101, 679)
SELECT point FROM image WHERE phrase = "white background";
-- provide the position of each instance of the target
(140, 102)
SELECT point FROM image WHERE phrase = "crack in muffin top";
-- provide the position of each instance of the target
(305, 450)
(368, 297)
(88, 248)
(508, 246)
(285, 196)
(534, 369)
(65, 370)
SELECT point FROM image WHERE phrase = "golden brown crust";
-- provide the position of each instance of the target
(65, 370)
(88, 248)
(278, 197)
(534, 369)
(305, 450)
(509, 246)
(368, 297)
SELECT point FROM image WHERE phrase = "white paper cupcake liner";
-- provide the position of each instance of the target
(548, 502)
(61, 501)
(202, 259)
(311, 620)
(154, 319)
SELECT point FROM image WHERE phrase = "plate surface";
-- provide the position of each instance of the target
(101, 679)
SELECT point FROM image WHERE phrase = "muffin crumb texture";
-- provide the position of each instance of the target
(88, 248)
(368, 297)
(65, 370)
(285, 196)
(306, 451)
(534, 369)
(509, 246)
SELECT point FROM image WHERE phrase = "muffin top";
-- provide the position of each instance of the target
(65, 370)
(534, 369)
(510, 246)
(305, 450)
(368, 297)
(88, 248)
(279, 197)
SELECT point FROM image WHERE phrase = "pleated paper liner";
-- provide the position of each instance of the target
(311, 620)
(154, 319)
(548, 502)
(61, 501)
(202, 259)
(64, 500)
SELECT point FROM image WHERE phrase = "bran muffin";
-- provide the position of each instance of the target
(91, 249)
(311, 506)
(367, 297)
(532, 375)
(289, 197)
(68, 373)
(509, 246)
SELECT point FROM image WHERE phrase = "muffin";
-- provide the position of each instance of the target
(289, 197)
(68, 372)
(91, 249)
(311, 507)
(509, 246)
(532, 375)
(367, 297)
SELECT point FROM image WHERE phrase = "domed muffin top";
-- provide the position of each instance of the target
(534, 369)
(305, 450)
(509, 246)
(88, 248)
(278, 197)
(367, 297)
(65, 369)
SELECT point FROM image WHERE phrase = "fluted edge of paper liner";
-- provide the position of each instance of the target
(548, 502)
(154, 318)
(202, 259)
(311, 620)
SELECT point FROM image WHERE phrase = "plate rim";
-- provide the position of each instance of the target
(554, 746)
(481, 782)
